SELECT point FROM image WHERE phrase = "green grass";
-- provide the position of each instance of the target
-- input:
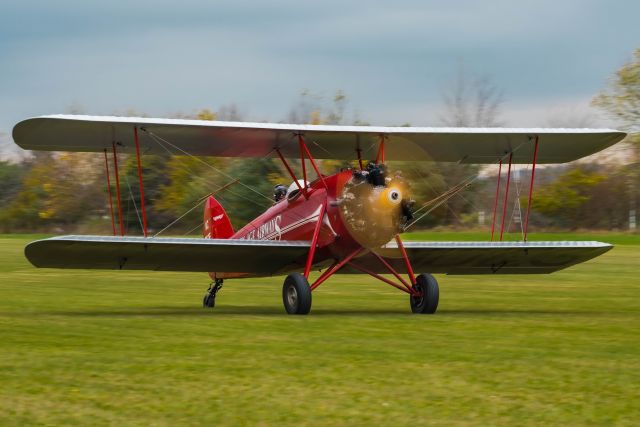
(122, 348)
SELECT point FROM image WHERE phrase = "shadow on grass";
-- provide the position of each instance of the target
(279, 312)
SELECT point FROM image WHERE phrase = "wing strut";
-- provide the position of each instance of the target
(293, 176)
(303, 145)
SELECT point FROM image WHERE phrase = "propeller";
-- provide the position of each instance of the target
(374, 206)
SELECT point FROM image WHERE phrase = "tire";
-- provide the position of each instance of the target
(428, 302)
(209, 301)
(296, 294)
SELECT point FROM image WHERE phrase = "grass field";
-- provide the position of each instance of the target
(121, 348)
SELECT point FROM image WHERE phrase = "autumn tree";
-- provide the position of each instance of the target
(621, 100)
(57, 190)
(562, 201)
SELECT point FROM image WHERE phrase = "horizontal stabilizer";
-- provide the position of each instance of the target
(254, 257)
(236, 139)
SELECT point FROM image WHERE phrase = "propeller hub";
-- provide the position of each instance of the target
(374, 207)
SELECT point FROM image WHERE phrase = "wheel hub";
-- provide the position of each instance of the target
(292, 296)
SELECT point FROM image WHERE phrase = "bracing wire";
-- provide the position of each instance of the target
(193, 172)
(134, 201)
(207, 164)
(202, 199)
(159, 140)
(465, 183)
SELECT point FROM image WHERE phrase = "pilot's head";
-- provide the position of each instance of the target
(279, 192)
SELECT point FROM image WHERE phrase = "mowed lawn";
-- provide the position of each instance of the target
(122, 348)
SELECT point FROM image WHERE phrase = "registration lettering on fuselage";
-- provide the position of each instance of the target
(270, 230)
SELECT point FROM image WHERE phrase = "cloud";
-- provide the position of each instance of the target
(161, 57)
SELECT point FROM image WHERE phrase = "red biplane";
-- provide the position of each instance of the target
(348, 222)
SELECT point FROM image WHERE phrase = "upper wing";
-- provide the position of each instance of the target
(484, 257)
(235, 139)
(253, 257)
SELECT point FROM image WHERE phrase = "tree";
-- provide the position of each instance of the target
(57, 191)
(10, 181)
(563, 199)
(469, 101)
(621, 100)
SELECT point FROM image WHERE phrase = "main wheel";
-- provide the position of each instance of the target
(296, 294)
(427, 303)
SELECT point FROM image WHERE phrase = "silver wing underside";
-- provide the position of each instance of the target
(236, 139)
(268, 257)
(254, 257)
(486, 257)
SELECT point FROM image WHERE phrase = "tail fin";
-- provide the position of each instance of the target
(216, 221)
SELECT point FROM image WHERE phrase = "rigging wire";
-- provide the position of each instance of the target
(195, 228)
(134, 201)
(465, 183)
(207, 164)
(158, 140)
(202, 199)
(186, 167)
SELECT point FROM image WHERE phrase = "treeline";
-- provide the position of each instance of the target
(66, 192)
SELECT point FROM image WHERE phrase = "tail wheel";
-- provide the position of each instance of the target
(427, 302)
(209, 300)
(296, 294)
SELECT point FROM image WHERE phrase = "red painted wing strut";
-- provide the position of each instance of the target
(293, 176)
(303, 145)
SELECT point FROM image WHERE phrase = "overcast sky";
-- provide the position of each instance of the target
(549, 57)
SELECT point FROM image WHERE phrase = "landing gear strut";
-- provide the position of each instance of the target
(209, 300)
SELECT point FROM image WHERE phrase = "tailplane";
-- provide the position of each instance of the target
(216, 221)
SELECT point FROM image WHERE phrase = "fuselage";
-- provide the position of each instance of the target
(350, 210)
(295, 218)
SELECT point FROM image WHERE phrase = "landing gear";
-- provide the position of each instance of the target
(296, 294)
(209, 300)
(427, 303)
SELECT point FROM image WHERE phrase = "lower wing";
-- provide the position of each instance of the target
(483, 257)
(269, 257)
(252, 257)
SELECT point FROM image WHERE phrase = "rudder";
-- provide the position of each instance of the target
(216, 221)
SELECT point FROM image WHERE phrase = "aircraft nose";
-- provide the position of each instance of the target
(374, 214)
